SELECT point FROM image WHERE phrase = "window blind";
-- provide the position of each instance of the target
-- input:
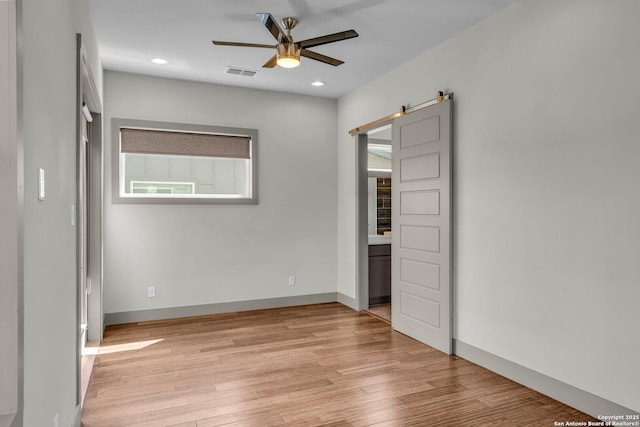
(146, 141)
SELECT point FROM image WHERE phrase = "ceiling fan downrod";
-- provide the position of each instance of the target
(289, 23)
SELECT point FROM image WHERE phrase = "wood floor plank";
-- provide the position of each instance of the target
(317, 365)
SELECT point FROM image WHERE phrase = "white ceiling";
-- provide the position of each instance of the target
(132, 32)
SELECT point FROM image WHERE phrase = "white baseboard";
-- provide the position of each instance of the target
(562, 392)
(348, 301)
(226, 307)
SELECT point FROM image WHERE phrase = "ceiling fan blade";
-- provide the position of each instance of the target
(271, 62)
(330, 38)
(219, 43)
(319, 57)
(272, 26)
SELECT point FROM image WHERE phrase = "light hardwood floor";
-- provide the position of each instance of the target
(381, 311)
(301, 366)
(86, 365)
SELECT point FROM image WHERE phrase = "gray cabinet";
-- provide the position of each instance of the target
(379, 274)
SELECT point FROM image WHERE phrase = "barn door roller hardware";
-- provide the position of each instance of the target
(441, 97)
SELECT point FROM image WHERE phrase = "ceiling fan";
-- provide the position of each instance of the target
(289, 52)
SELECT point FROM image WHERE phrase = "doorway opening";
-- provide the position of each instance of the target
(374, 221)
(89, 209)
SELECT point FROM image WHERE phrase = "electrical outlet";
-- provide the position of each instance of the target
(151, 292)
(292, 280)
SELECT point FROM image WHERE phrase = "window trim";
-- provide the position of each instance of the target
(118, 123)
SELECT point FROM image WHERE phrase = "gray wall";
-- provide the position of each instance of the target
(546, 230)
(202, 254)
(49, 48)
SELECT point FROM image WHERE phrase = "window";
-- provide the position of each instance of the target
(159, 187)
(157, 162)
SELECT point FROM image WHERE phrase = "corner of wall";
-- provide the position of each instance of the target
(348, 301)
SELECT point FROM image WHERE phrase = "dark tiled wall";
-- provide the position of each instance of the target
(384, 205)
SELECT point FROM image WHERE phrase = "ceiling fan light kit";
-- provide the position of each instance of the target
(288, 55)
(288, 52)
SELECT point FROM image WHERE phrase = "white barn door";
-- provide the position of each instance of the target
(421, 221)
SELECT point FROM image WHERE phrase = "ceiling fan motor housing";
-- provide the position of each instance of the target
(289, 23)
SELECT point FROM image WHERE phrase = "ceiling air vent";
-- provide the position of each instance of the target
(240, 72)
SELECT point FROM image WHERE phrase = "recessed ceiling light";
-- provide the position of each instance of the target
(317, 83)
(159, 61)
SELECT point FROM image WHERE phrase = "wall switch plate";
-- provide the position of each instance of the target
(151, 291)
(41, 193)
(73, 215)
(292, 280)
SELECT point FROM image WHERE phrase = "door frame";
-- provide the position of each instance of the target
(362, 206)
(11, 216)
(87, 93)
